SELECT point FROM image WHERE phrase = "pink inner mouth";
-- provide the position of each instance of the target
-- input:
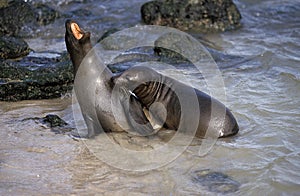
(76, 31)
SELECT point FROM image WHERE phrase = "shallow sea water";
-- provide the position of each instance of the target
(263, 91)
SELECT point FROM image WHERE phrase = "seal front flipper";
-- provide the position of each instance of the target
(157, 115)
(91, 126)
(137, 120)
(135, 116)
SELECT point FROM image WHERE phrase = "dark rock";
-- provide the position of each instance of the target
(223, 60)
(215, 181)
(54, 121)
(4, 3)
(16, 15)
(11, 47)
(181, 46)
(35, 78)
(80, 13)
(162, 54)
(45, 14)
(56, 124)
(108, 33)
(197, 15)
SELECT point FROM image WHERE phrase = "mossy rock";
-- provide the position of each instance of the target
(200, 15)
(11, 47)
(14, 15)
(35, 78)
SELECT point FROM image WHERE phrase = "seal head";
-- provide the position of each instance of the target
(78, 43)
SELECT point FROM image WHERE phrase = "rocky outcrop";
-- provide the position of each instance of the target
(11, 47)
(35, 78)
(29, 77)
(53, 122)
(197, 15)
(15, 15)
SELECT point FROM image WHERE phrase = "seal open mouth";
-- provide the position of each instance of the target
(77, 32)
(78, 42)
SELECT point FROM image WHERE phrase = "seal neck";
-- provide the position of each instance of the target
(77, 55)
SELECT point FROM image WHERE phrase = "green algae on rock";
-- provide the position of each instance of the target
(15, 15)
(35, 78)
(196, 15)
(12, 47)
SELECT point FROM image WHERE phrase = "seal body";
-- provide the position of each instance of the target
(151, 87)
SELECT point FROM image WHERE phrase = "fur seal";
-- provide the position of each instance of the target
(94, 94)
(149, 87)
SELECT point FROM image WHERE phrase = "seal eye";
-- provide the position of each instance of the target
(76, 31)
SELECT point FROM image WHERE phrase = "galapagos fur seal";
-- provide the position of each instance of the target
(95, 101)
